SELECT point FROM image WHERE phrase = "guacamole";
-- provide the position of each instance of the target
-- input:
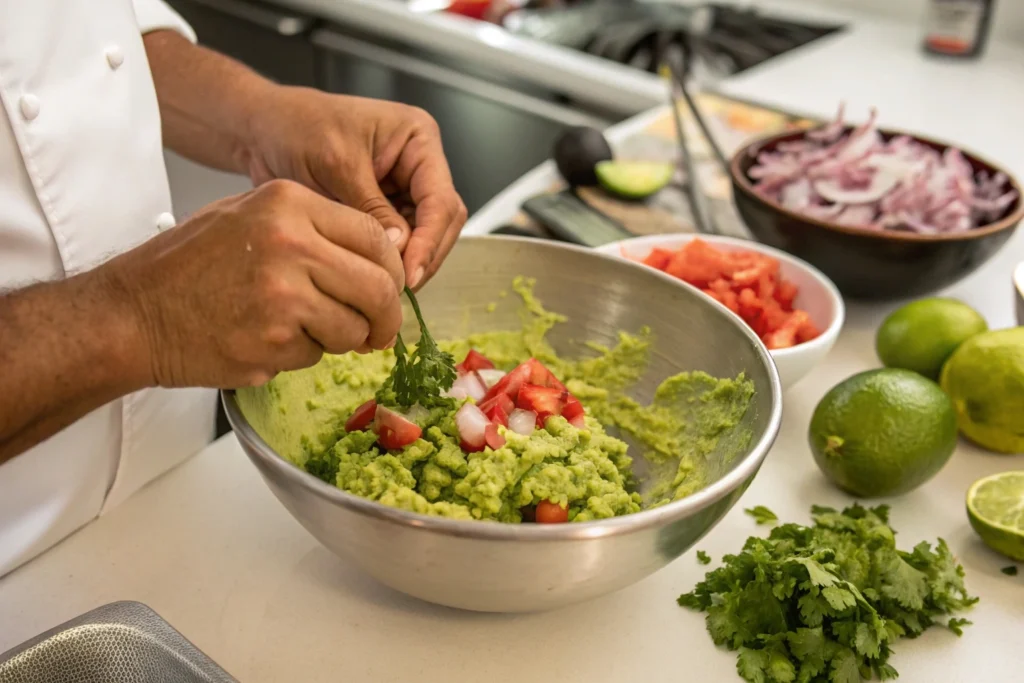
(694, 418)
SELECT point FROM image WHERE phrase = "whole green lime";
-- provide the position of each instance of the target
(985, 379)
(923, 334)
(883, 432)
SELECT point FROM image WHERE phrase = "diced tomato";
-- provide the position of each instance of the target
(573, 409)
(361, 417)
(509, 384)
(474, 361)
(746, 282)
(785, 293)
(541, 376)
(544, 401)
(551, 513)
(492, 438)
(497, 409)
(393, 430)
(658, 258)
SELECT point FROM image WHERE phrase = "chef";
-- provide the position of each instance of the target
(115, 323)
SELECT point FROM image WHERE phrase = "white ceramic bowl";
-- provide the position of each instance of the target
(817, 295)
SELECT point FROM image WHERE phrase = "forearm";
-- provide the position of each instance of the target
(66, 348)
(206, 100)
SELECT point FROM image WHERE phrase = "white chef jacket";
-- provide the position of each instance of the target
(82, 177)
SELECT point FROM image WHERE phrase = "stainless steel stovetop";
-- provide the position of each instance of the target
(714, 40)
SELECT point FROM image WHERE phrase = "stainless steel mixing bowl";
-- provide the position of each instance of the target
(494, 567)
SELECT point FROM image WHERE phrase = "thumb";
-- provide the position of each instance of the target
(362, 192)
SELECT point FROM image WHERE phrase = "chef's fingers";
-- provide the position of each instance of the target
(363, 286)
(334, 326)
(439, 220)
(422, 170)
(359, 189)
(359, 233)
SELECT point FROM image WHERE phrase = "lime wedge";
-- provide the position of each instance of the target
(995, 506)
(634, 179)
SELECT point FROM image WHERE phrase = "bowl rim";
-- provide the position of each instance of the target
(828, 335)
(264, 456)
(741, 182)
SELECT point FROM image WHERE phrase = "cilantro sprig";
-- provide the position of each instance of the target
(422, 376)
(762, 515)
(825, 603)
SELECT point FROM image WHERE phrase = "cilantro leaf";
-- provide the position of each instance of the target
(824, 603)
(844, 667)
(1010, 571)
(762, 515)
(751, 665)
(957, 625)
(703, 557)
(422, 376)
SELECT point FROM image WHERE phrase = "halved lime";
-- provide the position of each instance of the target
(634, 179)
(995, 507)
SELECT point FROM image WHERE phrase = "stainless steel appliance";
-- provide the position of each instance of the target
(494, 128)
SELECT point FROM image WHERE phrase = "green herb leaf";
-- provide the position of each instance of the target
(957, 625)
(825, 603)
(762, 515)
(422, 376)
(703, 557)
(1010, 571)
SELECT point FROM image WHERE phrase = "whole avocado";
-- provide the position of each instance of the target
(578, 151)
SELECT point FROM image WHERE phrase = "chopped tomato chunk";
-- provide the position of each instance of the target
(544, 401)
(497, 409)
(474, 361)
(551, 513)
(393, 430)
(541, 376)
(361, 417)
(573, 410)
(492, 438)
(509, 384)
(748, 283)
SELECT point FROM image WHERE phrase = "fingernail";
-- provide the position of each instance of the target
(394, 234)
(416, 277)
(391, 344)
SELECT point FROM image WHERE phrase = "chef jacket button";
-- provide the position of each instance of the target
(165, 221)
(29, 106)
(115, 57)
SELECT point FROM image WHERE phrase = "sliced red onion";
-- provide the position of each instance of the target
(856, 178)
(472, 425)
(490, 376)
(880, 185)
(522, 421)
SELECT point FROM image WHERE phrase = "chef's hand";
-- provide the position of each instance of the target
(261, 283)
(372, 155)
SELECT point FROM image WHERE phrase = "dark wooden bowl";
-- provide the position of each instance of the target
(865, 264)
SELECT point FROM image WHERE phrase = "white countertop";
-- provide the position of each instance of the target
(210, 549)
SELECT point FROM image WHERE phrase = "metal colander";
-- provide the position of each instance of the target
(124, 642)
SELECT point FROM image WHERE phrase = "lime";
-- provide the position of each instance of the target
(883, 432)
(995, 506)
(923, 334)
(634, 179)
(985, 379)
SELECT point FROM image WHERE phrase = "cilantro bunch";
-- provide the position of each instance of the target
(825, 603)
(421, 376)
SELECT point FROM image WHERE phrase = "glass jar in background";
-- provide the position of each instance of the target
(958, 28)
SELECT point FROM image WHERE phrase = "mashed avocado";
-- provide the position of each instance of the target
(692, 416)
